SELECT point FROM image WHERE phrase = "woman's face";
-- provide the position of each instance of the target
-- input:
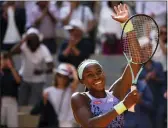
(93, 77)
(61, 79)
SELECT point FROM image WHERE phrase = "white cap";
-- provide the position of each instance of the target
(35, 31)
(64, 69)
(75, 23)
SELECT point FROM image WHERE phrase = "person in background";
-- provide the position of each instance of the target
(44, 17)
(141, 117)
(155, 9)
(76, 48)
(153, 75)
(59, 95)
(82, 13)
(13, 22)
(10, 81)
(37, 62)
(109, 36)
(161, 52)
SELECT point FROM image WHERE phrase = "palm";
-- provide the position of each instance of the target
(122, 13)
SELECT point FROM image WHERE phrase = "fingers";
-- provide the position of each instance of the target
(116, 10)
(125, 7)
(135, 96)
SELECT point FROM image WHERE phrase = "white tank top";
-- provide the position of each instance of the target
(100, 106)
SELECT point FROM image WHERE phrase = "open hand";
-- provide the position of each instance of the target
(122, 13)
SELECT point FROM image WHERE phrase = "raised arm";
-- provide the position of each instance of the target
(16, 49)
(121, 87)
(82, 113)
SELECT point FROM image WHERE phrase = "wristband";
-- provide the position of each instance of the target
(120, 108)
(128, 27)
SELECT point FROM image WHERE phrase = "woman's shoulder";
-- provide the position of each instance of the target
(79, 98)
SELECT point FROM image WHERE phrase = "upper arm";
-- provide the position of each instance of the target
(80, 108)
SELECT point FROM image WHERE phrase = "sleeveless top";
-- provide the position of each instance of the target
(100, 106)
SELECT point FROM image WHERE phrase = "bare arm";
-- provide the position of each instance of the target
(14, 72)
(38, 20)
(91, 25)
(123, 84)
(82, 113)
(53, 19)
(16, 49)
(164, 49)
(16, 75)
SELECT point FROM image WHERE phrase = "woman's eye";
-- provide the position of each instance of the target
(90, 75)
(99, 72)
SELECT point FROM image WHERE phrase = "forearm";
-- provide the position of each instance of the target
(103, 120)
(66, 19)
(74, 85)
(16, 75)
(15, 50)
(66, 52)
(38, 21)
(134, 47)
(75, 51)
(164, 49)
(91, 25)
(53, 19)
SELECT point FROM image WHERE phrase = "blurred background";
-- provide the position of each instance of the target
(99, 37)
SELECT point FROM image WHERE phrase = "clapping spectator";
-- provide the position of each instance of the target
(36, 63)
(109, 36)
(43, 17)
(161, 52)
(76, 48)
(154, 76)
(155, 9)
(82, 13)
(10, 81)
(12, 21)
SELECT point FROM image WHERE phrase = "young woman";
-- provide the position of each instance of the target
(99, 107)
(59, 95)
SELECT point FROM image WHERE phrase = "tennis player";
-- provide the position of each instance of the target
(99, 107)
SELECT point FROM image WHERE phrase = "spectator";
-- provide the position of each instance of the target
(59, 95)
(12, 21)
(61, 33)
(48, 117)
(43, 17)
(28, 5)
(82, 13)
(34, 58)
(141, 117)
(10, 81)
(154, 76)
(76, 49)
(161, 52)
(156, 9)
(109, 37)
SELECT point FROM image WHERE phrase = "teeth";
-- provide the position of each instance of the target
(98, 82)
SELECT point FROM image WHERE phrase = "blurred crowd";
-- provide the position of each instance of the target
(72, 31)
